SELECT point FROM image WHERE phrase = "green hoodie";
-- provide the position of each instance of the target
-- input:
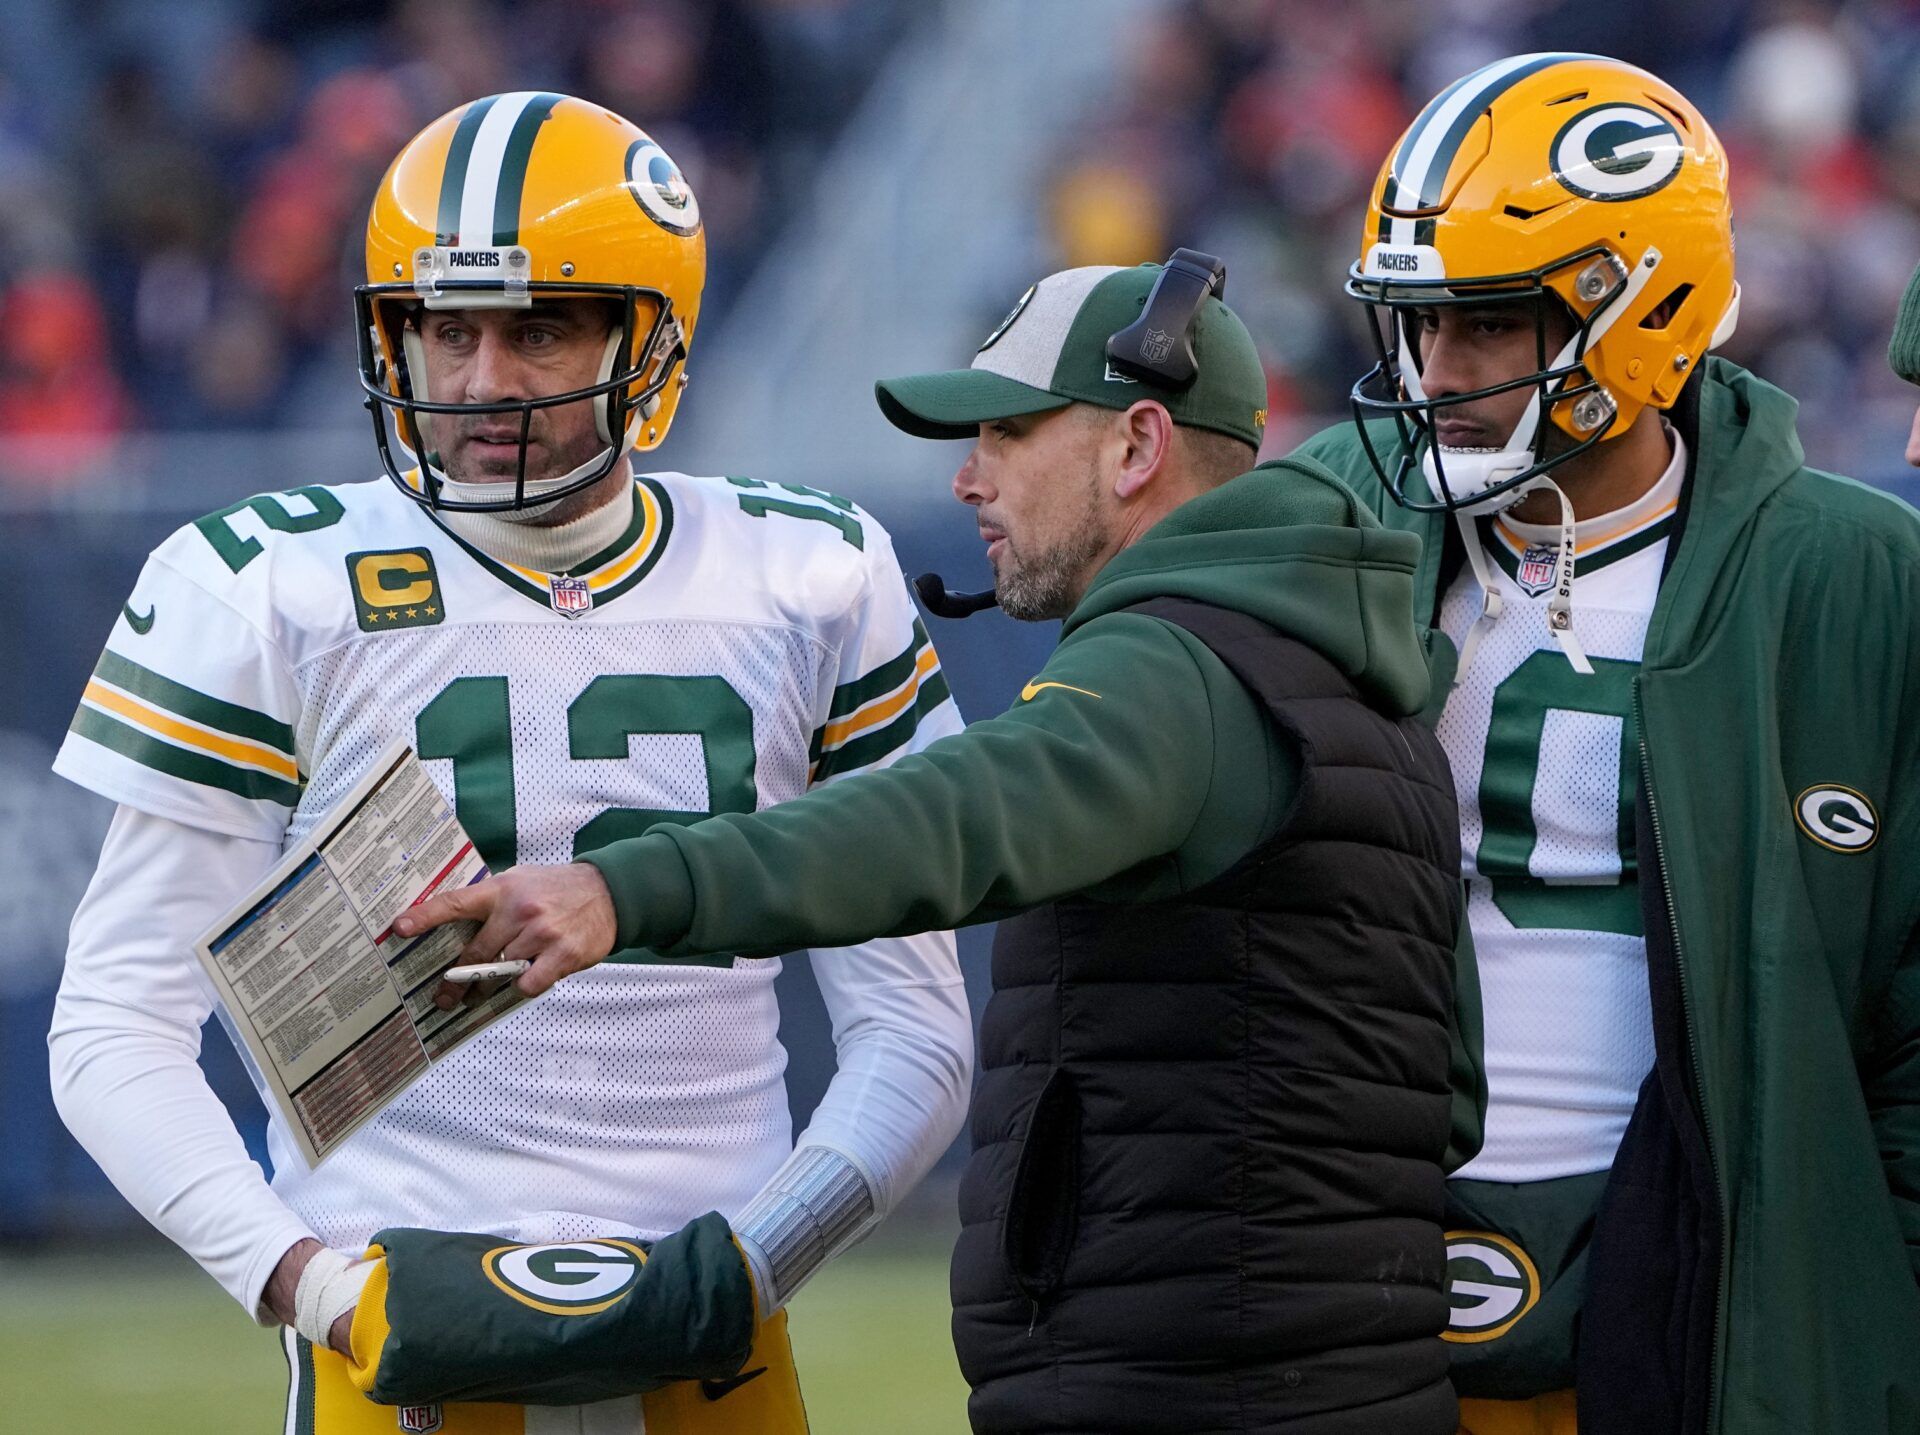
(1133, 767)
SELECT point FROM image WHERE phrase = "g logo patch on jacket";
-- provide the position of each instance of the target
(576, 1278)
(1490, 1284)
(1837, 817)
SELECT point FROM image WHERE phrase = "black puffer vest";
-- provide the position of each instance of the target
(1205, 1191)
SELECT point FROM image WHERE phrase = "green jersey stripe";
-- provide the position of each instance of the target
(453, 182)
(628, 536)
(646, 565)
(849, 697)
(192, 704)
(506, 575)
(178, 762)
(869, 749)
(544, 595)
(513, 167)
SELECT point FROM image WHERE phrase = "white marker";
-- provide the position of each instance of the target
(485, 971)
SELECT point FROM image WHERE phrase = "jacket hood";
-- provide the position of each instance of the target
(1291, 545)
(1747, 447)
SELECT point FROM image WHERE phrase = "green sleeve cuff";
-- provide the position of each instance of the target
(651, 886)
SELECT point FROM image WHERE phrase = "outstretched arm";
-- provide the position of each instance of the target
(1104, 764)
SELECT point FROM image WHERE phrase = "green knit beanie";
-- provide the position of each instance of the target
(1904, 350)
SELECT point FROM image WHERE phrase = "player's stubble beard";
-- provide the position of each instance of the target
(1034, 586)
(548, 465)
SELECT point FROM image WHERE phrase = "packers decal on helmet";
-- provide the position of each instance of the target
(1615, 152)
(660, 189)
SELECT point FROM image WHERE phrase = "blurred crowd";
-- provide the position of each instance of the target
(182, 187)
(1255, 129)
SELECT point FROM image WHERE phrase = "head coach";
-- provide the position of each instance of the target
(1205, 1191)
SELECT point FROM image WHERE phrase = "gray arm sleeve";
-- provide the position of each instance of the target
(815, 1206)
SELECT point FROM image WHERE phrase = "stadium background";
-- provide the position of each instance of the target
(181, 190)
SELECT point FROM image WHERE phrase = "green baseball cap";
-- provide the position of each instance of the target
(1051, 350)
(1904, 350)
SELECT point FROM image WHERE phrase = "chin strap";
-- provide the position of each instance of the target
(1559, 606)
(1490, 600)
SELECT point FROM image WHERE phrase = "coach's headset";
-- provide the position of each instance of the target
(1186, 282)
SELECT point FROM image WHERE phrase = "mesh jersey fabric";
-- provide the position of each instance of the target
(1545, 767)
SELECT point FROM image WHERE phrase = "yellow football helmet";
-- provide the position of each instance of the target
(1546, 177)
(523, 195)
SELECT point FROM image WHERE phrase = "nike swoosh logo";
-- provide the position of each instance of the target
(135, 621)
(1026, 693)
(720, 1389)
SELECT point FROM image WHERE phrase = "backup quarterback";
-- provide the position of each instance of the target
(577, 654)
(1681, 731)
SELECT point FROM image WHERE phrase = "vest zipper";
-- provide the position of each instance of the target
(1693, 1060)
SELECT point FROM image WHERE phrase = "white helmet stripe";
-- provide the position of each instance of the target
(1432, 147)
(482, 184)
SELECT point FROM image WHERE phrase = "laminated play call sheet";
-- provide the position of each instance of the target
(335, 1009)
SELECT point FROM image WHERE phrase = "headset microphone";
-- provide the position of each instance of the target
(944, 602)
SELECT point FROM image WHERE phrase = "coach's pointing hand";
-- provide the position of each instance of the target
(559, 918)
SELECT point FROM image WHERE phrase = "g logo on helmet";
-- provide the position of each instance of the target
(1837, 817)
(658, 187)
(1491, 1283)
(1615, 152)
(578, 1278)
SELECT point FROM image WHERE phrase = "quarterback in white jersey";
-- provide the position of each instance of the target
(594, 655)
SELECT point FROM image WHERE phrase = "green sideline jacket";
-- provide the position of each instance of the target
(1778, 708)
(1134, 766)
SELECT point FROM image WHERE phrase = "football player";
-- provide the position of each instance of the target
(1681, 731)
(577, 654)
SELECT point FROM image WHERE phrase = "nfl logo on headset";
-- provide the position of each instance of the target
(1156, 346)
(1536, 569)
(420, 1419)
(571, 596)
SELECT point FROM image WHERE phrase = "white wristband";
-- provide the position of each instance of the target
(329, 1287)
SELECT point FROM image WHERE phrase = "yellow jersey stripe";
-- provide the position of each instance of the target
(1520, 545)
(879, 710)
(613, 572)
(153, 720)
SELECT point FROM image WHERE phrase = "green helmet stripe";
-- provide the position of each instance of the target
(453, 181)
(513, 167)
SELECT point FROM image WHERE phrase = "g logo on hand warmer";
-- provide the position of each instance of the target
(1491, 1283)
(575, 1278)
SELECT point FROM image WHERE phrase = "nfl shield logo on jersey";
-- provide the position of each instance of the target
(420, 1419)
(571, 596)
(1536, 569)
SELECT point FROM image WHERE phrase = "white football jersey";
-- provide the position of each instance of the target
(737, 644)
(1546, 768)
